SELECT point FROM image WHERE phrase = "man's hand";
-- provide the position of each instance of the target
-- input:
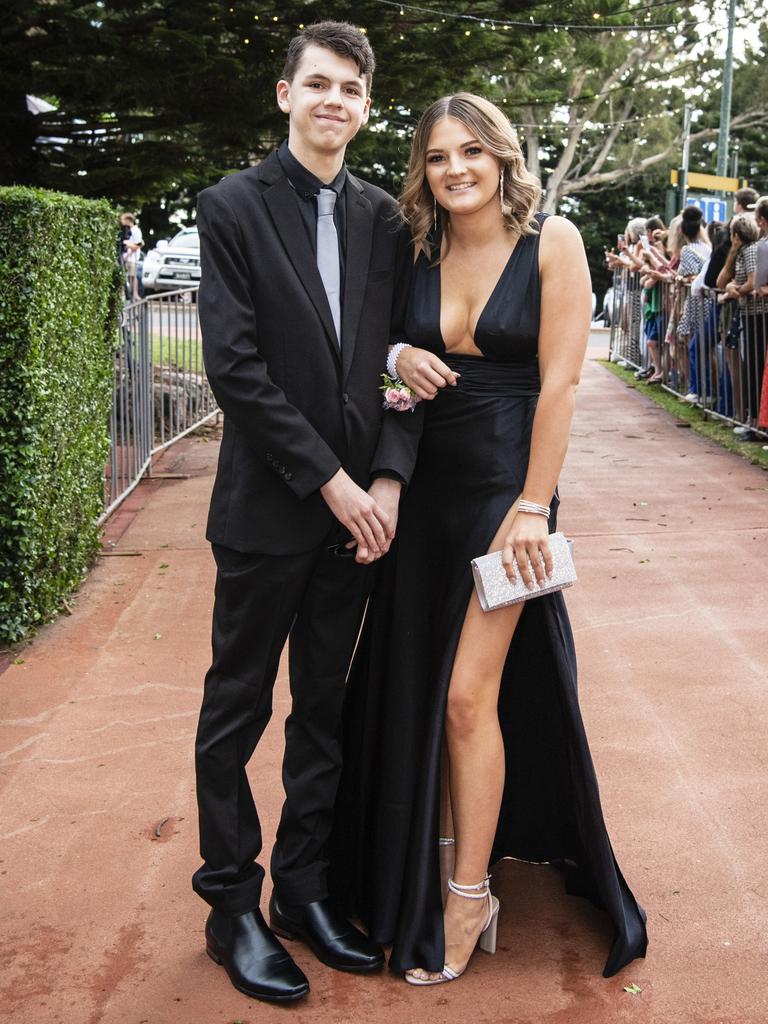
(359, 513)
(386, 494)
(423, 372)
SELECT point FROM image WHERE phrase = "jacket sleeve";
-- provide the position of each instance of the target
(400, 431)
(274, 430)
(398, 444)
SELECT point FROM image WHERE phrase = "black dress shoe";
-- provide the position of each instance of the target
(253, 958)
(330, 936)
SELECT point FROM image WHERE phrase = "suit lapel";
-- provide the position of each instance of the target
(281, 203)
(359, 238)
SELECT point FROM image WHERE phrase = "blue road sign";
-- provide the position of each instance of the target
(712, 207)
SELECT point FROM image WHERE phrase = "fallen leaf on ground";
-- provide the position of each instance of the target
(633, 989)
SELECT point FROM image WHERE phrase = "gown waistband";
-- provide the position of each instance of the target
(481, 376)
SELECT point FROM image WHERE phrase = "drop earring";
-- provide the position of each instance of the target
(501, 191)
(434, 213)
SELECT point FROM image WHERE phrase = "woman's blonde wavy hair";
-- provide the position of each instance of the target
(491, 127)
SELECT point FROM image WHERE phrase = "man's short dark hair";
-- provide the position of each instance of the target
(341, 38)
(745, 197)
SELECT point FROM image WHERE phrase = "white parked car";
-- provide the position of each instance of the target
(173, 263)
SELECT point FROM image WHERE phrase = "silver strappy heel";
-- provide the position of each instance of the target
(447, 855)
(487, 938)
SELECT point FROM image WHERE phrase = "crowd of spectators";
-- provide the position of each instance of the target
(691, 303)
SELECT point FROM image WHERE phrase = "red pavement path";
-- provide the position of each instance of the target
(100, 924)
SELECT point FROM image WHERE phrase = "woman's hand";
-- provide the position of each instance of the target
(424, 372)
(528, 542)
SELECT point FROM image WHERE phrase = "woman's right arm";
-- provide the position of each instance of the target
(726, 274)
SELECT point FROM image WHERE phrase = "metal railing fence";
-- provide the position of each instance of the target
(160, 391)
(706, 348)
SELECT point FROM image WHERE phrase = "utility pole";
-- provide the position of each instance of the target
(735, 160)
(725, 97)
(683, 174)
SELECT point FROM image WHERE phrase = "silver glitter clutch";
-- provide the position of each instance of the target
(495, 590)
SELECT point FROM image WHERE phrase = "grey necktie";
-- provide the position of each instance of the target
(328, 254)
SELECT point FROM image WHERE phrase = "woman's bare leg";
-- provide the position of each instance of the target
(476, 760)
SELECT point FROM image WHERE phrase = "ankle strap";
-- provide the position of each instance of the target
(471, 892)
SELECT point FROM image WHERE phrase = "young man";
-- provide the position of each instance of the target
(301, 264)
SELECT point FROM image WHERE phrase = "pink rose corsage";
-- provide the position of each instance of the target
(397, 395)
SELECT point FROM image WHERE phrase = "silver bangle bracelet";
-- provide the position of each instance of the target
(531, 506)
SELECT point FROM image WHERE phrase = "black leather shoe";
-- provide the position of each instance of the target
(330, 936)
(253, 958)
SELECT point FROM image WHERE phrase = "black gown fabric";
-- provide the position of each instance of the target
(471, 467)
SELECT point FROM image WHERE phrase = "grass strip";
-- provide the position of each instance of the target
(698, 419)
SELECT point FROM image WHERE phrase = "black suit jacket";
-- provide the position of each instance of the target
(295, 408)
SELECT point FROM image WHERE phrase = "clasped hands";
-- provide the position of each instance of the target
(370, 516)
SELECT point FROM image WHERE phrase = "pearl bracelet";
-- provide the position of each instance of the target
(392, 358)
(531, 506)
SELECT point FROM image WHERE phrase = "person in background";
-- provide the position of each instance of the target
(663, 258)
(132, 243)
(694, 322)
(744, 201)
(637, 244)
(652, 300)
(725, 359)
(761, 219)
(737, 278)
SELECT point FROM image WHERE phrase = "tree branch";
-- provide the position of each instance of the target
(611, 137)
(593, 180)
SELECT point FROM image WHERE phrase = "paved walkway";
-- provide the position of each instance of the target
(98, 826)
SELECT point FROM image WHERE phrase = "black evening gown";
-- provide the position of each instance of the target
(471, 466)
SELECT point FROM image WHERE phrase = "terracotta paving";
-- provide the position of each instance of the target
(98, 830)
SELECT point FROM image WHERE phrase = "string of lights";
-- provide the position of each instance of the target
(640, 8)
(549, 126)
(598, 23)
(599, 125)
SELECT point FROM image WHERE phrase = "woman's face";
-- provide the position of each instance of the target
(462, 174)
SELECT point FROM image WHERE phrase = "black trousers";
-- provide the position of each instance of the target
(318, 598)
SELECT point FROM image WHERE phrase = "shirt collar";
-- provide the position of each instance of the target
(306, 184)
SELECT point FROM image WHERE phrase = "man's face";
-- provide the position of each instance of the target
(326, 101)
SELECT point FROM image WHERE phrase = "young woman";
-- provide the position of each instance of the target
(697, 323)
(738, 279)
(442, 694)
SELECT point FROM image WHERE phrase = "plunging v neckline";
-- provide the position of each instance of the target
(495, 288)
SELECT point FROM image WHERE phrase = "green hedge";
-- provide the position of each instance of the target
(59, 303)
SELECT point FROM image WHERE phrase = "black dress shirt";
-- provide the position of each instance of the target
(307, 186)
